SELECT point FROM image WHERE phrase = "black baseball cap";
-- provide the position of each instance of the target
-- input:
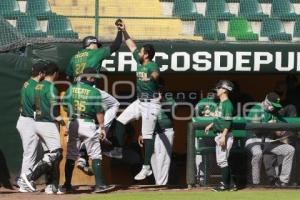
(274, 99)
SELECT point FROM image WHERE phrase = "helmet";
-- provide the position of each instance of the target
(90, 40)
(228, 85)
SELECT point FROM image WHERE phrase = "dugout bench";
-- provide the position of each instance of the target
(239, 131)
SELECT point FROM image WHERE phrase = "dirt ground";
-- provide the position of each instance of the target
(85, 191)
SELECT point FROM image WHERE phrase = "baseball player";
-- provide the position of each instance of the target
(222, 127)
(92, 54)
(147, 104)
(26, 123)
(47, 116)
(267, 112)
(205, 108)
(163, 143)
(84, 104)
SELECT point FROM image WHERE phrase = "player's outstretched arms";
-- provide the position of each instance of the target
(129, 42)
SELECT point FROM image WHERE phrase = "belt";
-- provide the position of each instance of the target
(145, 100)
(23, 115)
(86, 118)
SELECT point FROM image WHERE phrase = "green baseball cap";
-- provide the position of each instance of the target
(274, 99)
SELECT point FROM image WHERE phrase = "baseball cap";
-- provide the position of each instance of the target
(274, 99)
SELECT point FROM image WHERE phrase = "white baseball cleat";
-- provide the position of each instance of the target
(28, 183)
(50, 189)
(146, 171)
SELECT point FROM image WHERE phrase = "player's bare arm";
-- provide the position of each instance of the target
(223, 138)
(208, 127)
(129, 42)
(100, 119)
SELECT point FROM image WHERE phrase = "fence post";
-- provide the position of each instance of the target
(97, 17)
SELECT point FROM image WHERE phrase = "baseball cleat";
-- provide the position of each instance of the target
(146, 171)
(29, 184)
(65, 189)
(81, 164)
(220, 188)
(116, 152)
(51, 189)
(103, 188)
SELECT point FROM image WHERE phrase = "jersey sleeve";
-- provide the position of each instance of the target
(136, 55)
(53, 97)
(98, 103)
(70, 68)
(153, 68)
(66, 100)
(255, 115)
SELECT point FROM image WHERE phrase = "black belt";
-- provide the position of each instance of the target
(145, 100)
(82, 116)
(23, 115)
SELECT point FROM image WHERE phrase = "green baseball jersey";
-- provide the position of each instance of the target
(87, 58)
(27, 98)
(206, 107)
(223, 116)
(258, 114)
(46, 101)
(164, 119)
(84, 100)
(145, 88)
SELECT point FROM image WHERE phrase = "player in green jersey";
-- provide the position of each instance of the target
(26, 123)
(84, 104)
(47, 115)
(222, 127)
(92, 55)
(147, 106)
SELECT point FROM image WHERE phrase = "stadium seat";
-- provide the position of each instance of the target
(29, 26)
(9, 9)
(39, 8)
(284, 10)
(185, 9)
(8, 33)
(297, 28)
(251, 10)
(208, 29)
(218, 9)
(60, 27)
(273, 28)
(241, 30)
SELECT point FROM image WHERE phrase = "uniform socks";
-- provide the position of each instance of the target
(120, 132)
(97, 168)
(226, 176)
(149, 148)
(69, 167)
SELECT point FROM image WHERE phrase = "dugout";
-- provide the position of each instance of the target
(190, 70)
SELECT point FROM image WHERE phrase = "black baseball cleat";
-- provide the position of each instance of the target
(220, 188)
(65, 189)
(103, 188)
(233, 188)
(86, 170)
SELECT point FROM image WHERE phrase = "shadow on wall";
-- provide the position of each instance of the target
(4, 172)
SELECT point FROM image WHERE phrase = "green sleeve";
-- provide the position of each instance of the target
(153, 68)
(103, 53)
(136, 55)
(98, 107)
(53, 98)
(70, 68)
(255, 115)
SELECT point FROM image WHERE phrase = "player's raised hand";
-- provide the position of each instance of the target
(141, 141)
(102, 134)
(120, 24)
(207, 128)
